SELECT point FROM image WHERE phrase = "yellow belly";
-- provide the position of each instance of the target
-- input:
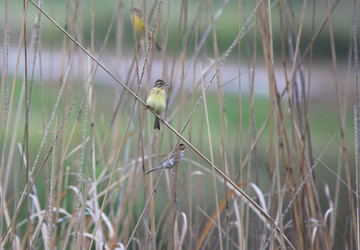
(139, 24)
(156, 100)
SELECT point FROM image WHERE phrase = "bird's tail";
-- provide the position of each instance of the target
(158, 47)
(157, 123)
(156, 168)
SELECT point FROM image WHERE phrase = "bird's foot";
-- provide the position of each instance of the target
(171, 170)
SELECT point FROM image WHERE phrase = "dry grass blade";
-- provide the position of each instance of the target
(356, 118)
(212, 160)
(209, 225)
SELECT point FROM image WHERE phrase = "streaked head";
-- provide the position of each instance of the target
(182, 147)
(160, 84)
(136, 11)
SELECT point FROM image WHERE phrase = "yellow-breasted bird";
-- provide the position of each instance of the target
(138, 21)
(157, 100)
(171, 160)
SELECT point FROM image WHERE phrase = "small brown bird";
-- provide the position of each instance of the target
(157, 100)
(172, 160)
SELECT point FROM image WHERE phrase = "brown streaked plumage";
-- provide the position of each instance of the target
(172, 160)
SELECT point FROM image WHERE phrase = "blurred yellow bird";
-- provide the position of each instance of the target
(138, 21)
(157, 100)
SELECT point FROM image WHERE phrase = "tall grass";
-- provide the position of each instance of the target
(259, 171)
